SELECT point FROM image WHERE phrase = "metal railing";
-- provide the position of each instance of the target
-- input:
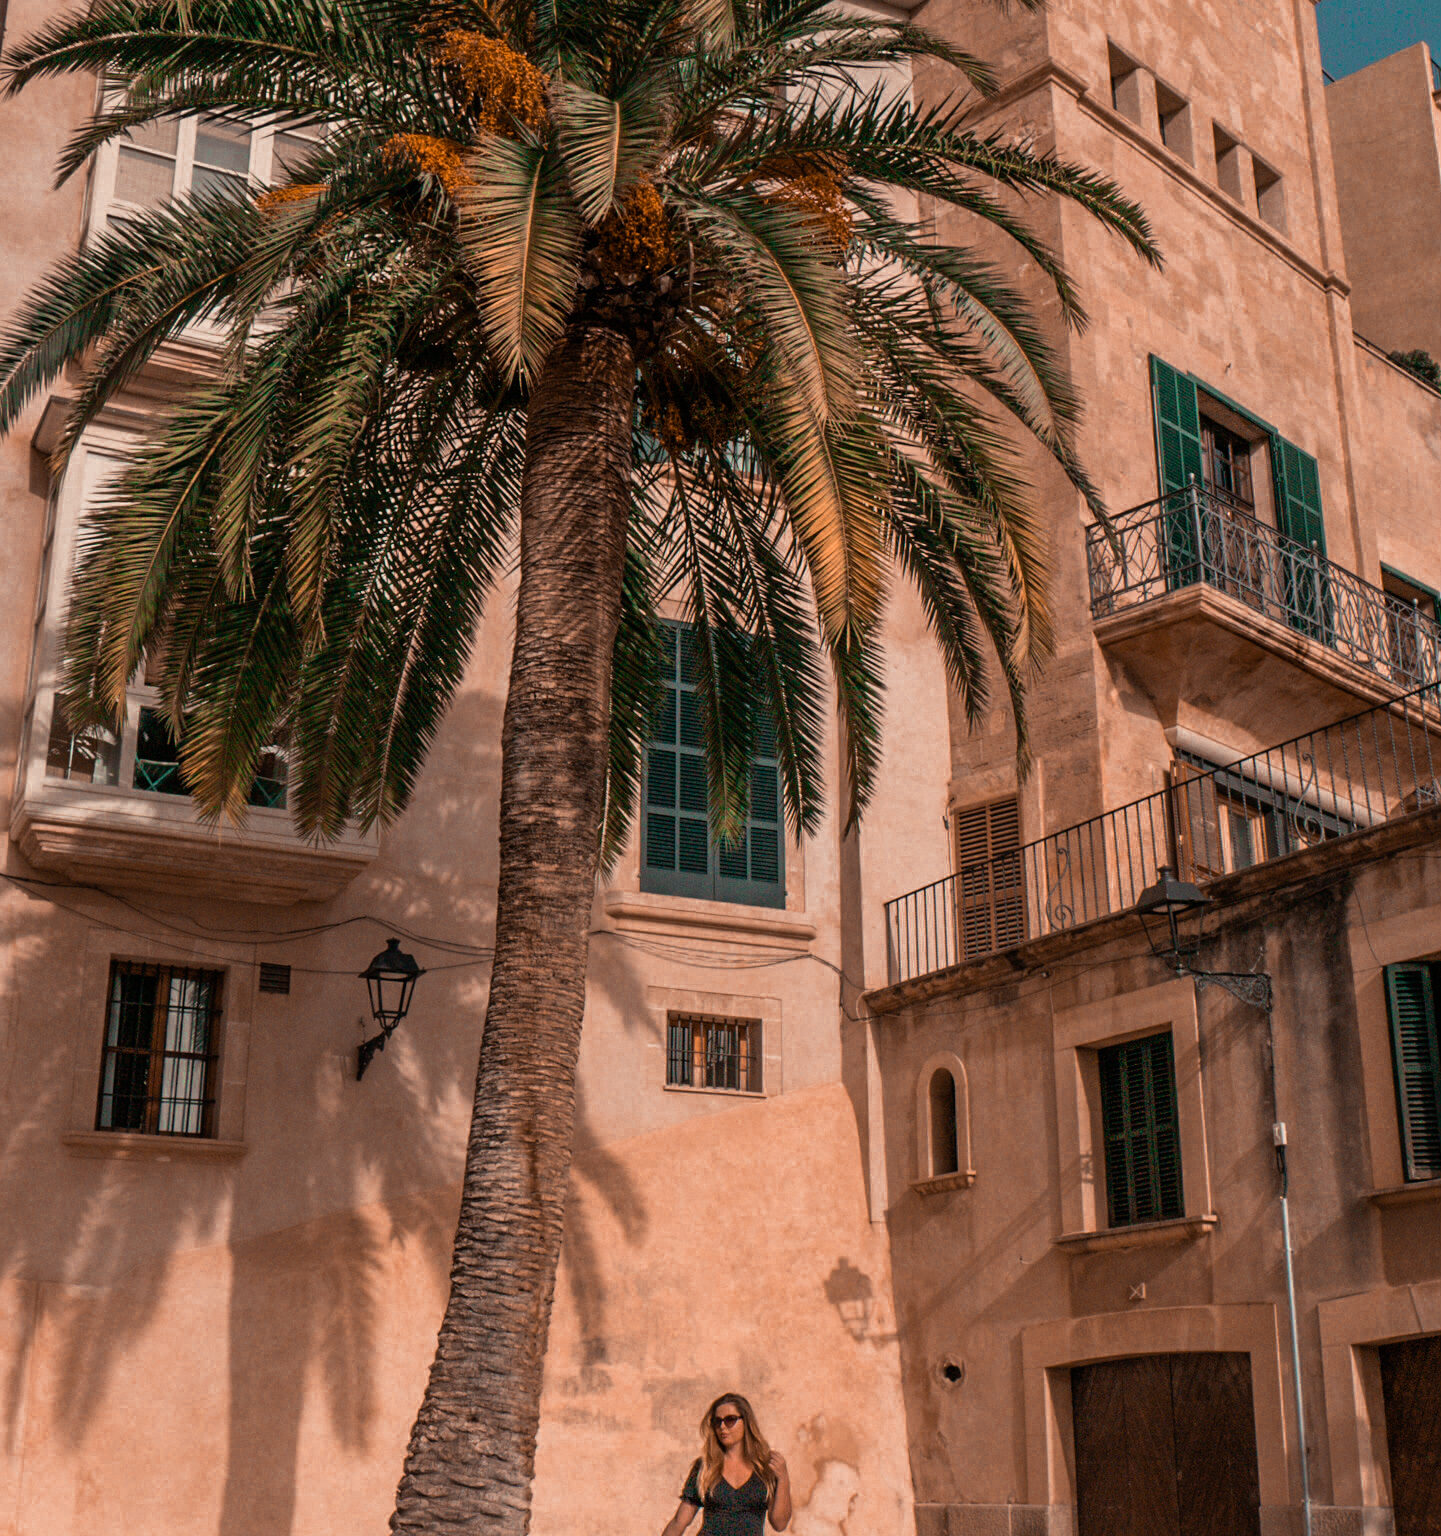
(1211, 820)
(1197, 535)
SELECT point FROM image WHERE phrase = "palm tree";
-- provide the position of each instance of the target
(640, 282)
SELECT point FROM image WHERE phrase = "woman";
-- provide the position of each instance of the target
(738, 1478)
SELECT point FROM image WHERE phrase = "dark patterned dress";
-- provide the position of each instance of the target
(729, 1511)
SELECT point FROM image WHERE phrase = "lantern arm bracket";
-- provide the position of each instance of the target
(1252, 987)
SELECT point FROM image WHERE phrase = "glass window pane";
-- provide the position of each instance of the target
(290, 150)
(162, 136)
(91, 755)
(157, 758)
(144, 179)
(205, 181)
(187, 1015)
(223, 145)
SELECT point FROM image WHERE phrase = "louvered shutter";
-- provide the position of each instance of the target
(1178, 461)
(678, 858)
(752, 869)
(1196, 817)
(1299, 518)
(1140, 1131)
(1411, 1001)
(990, 897)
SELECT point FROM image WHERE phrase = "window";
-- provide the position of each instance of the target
(1140, 1130)
(178, 156)
(1175, 115)
(1226, 464)
(1225, 820)
(1125, 84)
(721, 1054)
(158, 1073)
(1270, 194)
(91, 754)
(679, 857)
(1228, 163)
(1411, 614)
(1416, 1057)
(945, 1146)
(990, 897)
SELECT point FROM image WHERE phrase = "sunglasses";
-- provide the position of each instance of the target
(726, 1420)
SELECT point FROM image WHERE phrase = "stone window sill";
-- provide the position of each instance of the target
(643, 908)
(715, 1093)
(135, 1146)
(1144, 1234)
(944, 1181)
(1407, 1194)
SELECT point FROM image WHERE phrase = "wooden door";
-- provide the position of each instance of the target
(1411, 1389)
(1166, 1446)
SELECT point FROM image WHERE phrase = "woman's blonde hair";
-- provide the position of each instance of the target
(754, 1447)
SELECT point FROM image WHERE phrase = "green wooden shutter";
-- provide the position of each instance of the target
(1411, 1001)
(1178, 460)
(678, 857)
(1140, 1131)
(1299, 517)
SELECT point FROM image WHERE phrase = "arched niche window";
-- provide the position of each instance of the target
(943, 1126)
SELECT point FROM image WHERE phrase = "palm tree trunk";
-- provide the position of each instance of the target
(472, 1450)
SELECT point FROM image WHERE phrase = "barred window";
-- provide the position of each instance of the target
(161, 1030)
(713, 1053)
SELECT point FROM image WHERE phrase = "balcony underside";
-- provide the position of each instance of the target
(1206, 658)
(146, 843)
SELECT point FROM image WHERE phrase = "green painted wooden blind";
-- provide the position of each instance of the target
(1140, 1130)
(1416, 1055)
(1178, 427)
(678, 855)
(1178, 461)
(1299, 517)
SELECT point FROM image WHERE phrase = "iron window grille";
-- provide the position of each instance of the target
(161, 1037)
(723, 1054)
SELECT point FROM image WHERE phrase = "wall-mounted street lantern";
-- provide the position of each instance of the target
(1173, 916)
(390, 979)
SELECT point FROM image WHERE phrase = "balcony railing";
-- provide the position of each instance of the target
(1371, 768)
(1198, 535)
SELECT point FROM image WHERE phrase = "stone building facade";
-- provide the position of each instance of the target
(1083, 1185)
(218, 1323)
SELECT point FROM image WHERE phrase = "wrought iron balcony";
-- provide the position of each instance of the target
(1198, 535)
(1372, 768)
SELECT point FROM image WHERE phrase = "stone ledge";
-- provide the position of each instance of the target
(945, 1181)
(130, 1146)
(109, 836)
(1407, 1194)
(1144, 1234)
(643, 908)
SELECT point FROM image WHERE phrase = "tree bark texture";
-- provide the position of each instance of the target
(472, 1449)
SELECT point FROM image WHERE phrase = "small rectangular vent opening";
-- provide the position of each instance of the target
(274, 978)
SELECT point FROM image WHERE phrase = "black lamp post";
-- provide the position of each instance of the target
(390, 979)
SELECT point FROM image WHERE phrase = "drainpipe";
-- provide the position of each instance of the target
(1278, 1136)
